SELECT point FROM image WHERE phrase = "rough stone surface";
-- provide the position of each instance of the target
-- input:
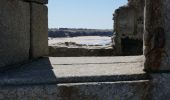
(80, 46)
(160, 86)
(38, 1)
(55, 51)
(76, 69)
(76, 78)
(128, 26)
(105, 91)
(80, 78)
(125, 21)
(39, 31)
(157, 46)
(15, 32)
(134, 90)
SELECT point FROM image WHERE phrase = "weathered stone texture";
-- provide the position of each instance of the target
(80, 51)
(105, 91)
(160, 86)
(31, 92)
(124, 21)
(76, 69)
(38, 1)
(128, 24)
(39, 30)
(14, 31)
(157, 44)
(88, 91)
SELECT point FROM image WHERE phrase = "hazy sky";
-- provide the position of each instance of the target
(95, 14)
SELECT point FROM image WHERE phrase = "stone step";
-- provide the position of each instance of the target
(122, 90)
(77, 78)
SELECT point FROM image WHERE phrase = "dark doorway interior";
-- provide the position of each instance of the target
(132, 46)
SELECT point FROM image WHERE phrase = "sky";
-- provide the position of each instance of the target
(92, 14)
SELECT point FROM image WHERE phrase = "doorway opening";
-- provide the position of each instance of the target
(132, 46)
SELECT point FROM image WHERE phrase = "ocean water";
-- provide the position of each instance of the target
(96, 42)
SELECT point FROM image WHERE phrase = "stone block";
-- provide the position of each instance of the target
(160, 86)
(38, 1)
(157, 35)
(39, 30)
(14, 31)
(134, 90)
(125, 20)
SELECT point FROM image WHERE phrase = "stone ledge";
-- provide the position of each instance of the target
(78, 51)
(131, 90)
(75, 69)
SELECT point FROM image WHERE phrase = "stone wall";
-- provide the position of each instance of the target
(23, 29)
(39, 30)
(78, 91)
(157, 35)
(160, 87)
(128, 24)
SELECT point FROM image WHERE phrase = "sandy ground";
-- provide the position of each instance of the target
(84, 40)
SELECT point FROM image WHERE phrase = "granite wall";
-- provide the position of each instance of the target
(23, 30)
